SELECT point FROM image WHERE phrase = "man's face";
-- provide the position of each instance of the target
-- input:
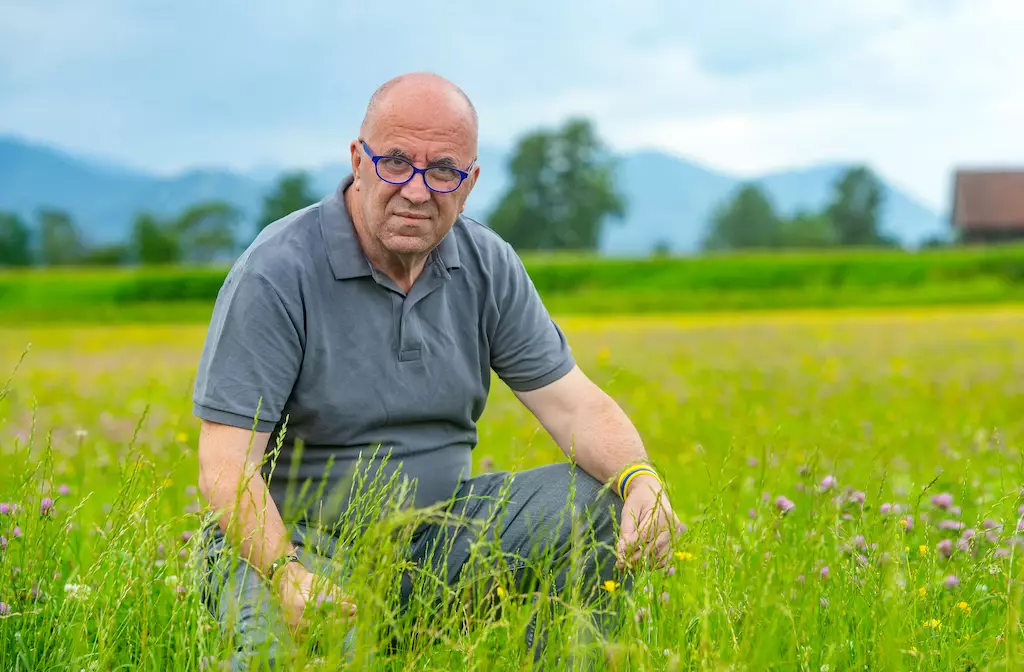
(409, 220)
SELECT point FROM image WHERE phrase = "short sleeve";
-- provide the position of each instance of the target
(251, 356)
(528, 350)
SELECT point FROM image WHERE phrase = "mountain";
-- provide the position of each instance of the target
(670, 200)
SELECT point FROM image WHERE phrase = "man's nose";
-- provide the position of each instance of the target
(416, 190)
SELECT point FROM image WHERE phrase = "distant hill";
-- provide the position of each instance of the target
(670, 199)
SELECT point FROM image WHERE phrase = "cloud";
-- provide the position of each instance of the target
(913, 87)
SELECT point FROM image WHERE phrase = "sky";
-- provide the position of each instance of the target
(913, 88)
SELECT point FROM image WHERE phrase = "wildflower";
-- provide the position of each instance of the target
(63, 490)
(3, 543)
(752, 513)
(16, 532)
(828, 482)
(1002, 553)
(885, 508)
(922, 591)
(1020, 511)
(5, 508)
(990, 524)
(4, 609)
(943, 500)
(664, 598)
(752, 462)
(857, 497)
(952, 581)
(860, 543)
(933, 623)
(684, 555)
(500, 591)
(945, 548)
(190, 491)
(1020, 525)
(186, 535)
(823, 602)
(46, 506)
(783, 504)
(610, 586)
(77, 591)
(671, 571)
(950, 525)
(964, 607)
(922, 549)
(968, 533)
(907, 523)
(824, 572)
(640, 614)
(182, 437)
(800, 579)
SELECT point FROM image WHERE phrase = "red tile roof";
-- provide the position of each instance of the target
(989, 199)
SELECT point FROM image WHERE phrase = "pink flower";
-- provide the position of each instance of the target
(990, 524)
(664, 598)
(952, 582)
(950, 525)
(46, 506)
(945, 547)
(886, 508)
(5, 508)
(63, 490)
(828, 482)
(943, 500)
(16, 532)
(783, 504)
(4, 609)
(3, 543)
(824, 572)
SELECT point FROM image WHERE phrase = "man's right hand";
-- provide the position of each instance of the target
(302, 591)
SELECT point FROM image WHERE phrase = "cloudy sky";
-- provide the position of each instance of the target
(913, 87)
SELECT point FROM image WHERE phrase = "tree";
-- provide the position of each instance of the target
(748, 220)
(206, 230)
(153, 241)
(562, 190)
(856, 204)
(291, 193)
(60, 241)
(807, 230)
(15, 241)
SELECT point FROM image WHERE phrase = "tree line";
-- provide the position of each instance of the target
(562, 194)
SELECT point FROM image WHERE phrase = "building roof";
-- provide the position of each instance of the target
(989, 199)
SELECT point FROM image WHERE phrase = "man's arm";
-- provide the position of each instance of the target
(229, 479)
(587, 424)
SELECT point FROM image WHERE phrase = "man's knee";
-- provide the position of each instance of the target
(591, 501)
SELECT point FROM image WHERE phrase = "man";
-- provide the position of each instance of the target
(374, 318)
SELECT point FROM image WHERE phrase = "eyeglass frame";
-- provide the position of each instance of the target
(463, 174)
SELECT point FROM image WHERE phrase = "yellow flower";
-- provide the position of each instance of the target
(501, 591)
(182, 437)
(903, 522)
(964, 607)
(684, 555)
(610, 586)
(922, 591)
(934, 623)
(923, 549)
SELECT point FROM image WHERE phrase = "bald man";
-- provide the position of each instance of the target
(369, 324)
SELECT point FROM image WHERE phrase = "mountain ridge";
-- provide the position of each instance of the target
(670, 199)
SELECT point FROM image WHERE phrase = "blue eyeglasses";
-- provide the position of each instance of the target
(396, 170)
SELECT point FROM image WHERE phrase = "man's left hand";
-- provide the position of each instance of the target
(648, 523)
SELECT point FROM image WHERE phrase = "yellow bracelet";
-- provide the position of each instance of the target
(627, 475)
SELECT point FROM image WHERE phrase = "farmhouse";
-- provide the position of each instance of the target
(988, 205)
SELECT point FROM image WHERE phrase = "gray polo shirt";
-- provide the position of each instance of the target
(307, 329)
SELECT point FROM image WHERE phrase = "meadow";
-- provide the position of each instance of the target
(851, 482)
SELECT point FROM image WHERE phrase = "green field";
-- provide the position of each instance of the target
(736, 409)
(580, 284)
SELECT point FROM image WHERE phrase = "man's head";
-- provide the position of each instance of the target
(429, 122)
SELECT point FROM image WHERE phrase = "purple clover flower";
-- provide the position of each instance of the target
(945, 548)
(5, 508)
(949, 525)
(46, 506)
(824, 572)
(952, 581)
(908, 523)
(885, 508)
(64, 490)
(783, 504)
(828, 482)
(3, 543)
(664, 598)
(990, 524)
(1002, 553)
(16, 532)
(943, 500)
(4, 609)
(857, 497)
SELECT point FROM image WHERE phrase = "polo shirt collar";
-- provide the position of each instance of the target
(344, 252)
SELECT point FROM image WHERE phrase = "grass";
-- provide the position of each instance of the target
(579, 284)
(736, 409)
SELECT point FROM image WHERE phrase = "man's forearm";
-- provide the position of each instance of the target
(601, 438)
(250, 519)
(230, 481)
